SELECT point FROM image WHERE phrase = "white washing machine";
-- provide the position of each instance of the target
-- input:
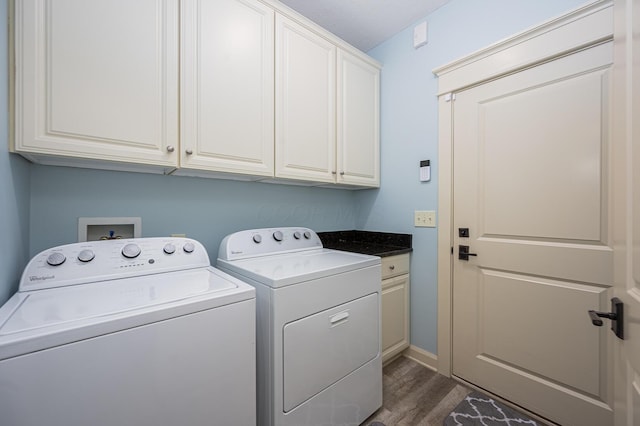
(318, 326)
(139, 332)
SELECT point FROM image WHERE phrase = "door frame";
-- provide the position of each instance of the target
(626, 226)
(582, 28)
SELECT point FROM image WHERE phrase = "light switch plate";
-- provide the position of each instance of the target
(425, 218)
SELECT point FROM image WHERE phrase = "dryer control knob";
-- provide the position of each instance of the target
(169, 248)
(131, 251)
(56, 259)
(297, 235)
(257, 238)
(307, 235)
(277, 236)
(188, 248)
(86, 255)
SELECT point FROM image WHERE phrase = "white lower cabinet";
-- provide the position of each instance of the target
(395, 305)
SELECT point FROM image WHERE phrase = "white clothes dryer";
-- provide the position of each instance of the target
(136, 332)
(318, 326)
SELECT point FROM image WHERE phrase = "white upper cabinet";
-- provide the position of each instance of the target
(238, 89)
(227, 87)
(327, 110)
(305, 103)
(358, 112)
(97, 80)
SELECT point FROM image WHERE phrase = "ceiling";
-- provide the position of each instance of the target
(364, 23)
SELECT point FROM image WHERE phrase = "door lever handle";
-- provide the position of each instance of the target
(616, 316)
(463, 252)
(595, 317)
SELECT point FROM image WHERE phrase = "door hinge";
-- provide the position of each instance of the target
(452, 250)
(450, 97)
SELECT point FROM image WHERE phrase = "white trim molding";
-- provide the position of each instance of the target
(581, 28)
(422, 357)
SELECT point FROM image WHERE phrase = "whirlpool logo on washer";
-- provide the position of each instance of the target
(41, 278)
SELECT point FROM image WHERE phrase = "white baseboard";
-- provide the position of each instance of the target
(421, 356)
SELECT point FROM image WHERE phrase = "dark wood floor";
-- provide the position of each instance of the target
(414, 395)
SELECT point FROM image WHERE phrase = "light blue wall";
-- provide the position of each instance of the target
(14, 186)
(409, 131)
(40, 205)
(204, 209)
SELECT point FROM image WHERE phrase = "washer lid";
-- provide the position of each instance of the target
(280, 270)
(50, 317)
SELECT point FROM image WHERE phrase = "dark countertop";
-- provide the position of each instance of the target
(367, 242)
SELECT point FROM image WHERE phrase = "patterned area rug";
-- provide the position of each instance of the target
(480, 410)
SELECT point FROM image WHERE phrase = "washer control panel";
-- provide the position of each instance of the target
(260, 242)
(93, 261)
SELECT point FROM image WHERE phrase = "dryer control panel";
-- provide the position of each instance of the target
(267, 241)
(94, 261)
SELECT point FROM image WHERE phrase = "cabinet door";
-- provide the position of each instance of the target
(97, 80)
(358, 114)
(227, 86)
(395, 316)
(305, 103)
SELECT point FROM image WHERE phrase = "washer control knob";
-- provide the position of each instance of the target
(86, 255)
(188, 247)
(169, 248)
(307, 235)
(56, 259)
(297, 235)
(257, 238)
(277, 235)
(131, 251)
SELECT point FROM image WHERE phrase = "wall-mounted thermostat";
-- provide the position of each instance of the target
(425, 170)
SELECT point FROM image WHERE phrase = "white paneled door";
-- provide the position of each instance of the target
(531, 185)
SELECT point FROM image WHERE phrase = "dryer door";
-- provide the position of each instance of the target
(322, 348)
